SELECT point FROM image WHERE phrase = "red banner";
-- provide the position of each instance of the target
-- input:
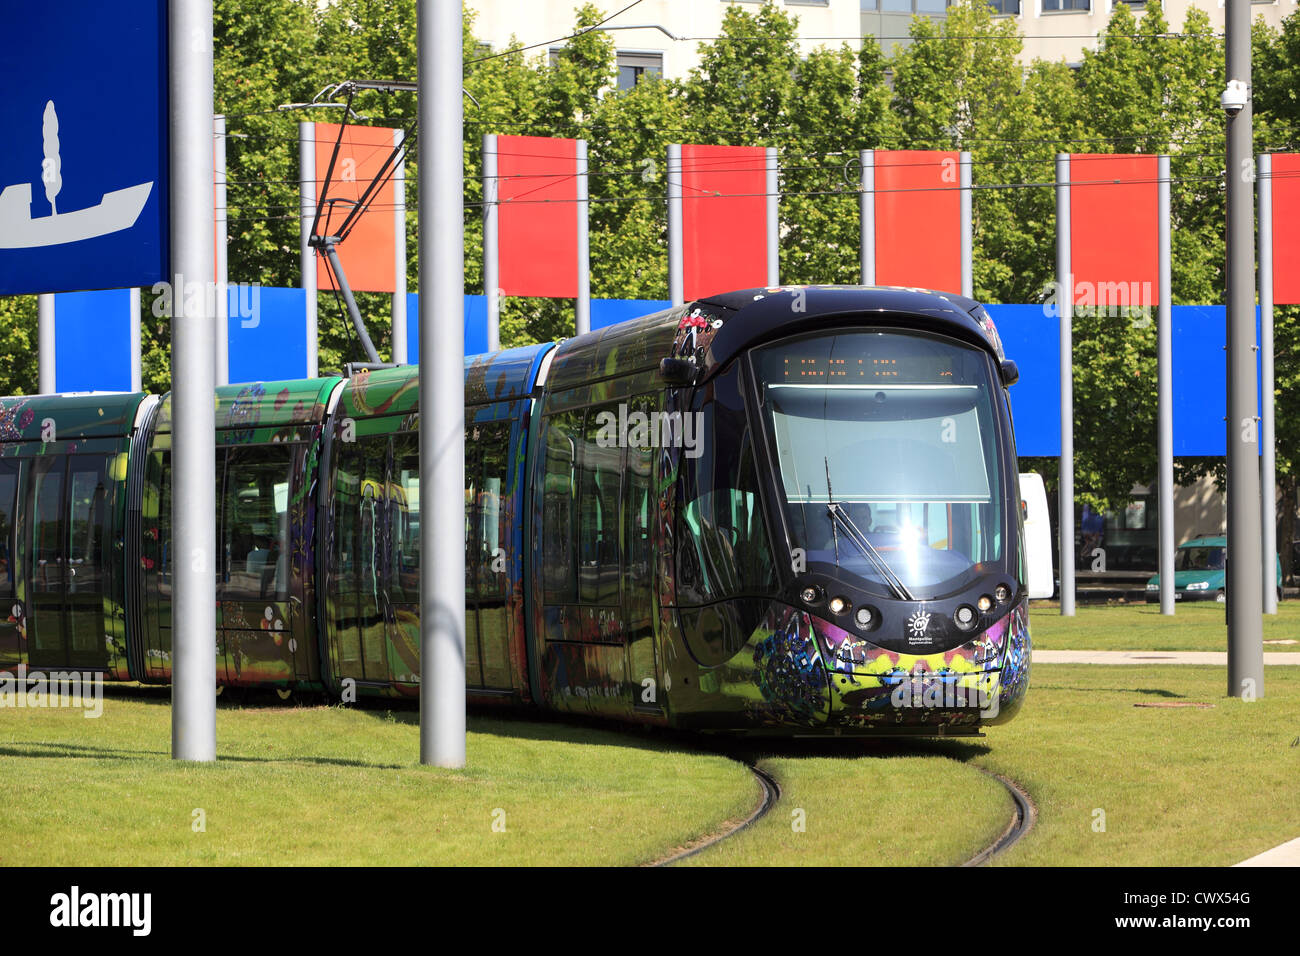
(724, 219)
(369, 254)
(537, 219)
(1286, 228)
(918, 219)
(1115, 230)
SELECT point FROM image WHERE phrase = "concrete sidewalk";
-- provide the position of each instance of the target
(1288, 854)
(1219, 658)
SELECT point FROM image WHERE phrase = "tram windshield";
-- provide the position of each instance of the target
(887, 448)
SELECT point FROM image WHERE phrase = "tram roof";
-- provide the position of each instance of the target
(728, 323)
(76, 415)
(264, 404)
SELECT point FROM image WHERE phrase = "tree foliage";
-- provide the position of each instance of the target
(959, 85)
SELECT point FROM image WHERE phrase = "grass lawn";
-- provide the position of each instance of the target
(1141, 627)
(1180, 786)
(329, 785)
(875, 807)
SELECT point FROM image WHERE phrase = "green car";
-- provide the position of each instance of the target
(1199, 571)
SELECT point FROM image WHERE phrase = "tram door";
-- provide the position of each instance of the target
(487, 551)
(639, 569)
(68, 503)
(357, 572)
(10, 614)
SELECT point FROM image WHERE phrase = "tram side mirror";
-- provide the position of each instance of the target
(677, 371)
(1010, 373)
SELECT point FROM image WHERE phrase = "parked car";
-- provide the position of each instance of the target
(1200, 572)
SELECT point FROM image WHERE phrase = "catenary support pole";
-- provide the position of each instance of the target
(867, 216)
(676, 277)
(222, 341)
(442, 385)
(194, 598)
(967, 229)
(45, 343)
(136, 375)
(1245, 620)
(583, 317)
(773, 181)
(1268, 460)
(307, 255)
(1165, 399)
(399, 258)
(491, 241)
(1065, 310)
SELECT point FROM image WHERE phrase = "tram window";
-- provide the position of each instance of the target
(598, 533)
(473, 469)
(47, 564)
(8, 491)
(87, 496)
(559, 497)
(255, 523)
(723, 550)
(404, 520)
(491, 441)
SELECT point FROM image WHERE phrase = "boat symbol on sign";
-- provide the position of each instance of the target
(117, 210)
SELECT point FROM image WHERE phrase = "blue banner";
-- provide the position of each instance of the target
(92, 341)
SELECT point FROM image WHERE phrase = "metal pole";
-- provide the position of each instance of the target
(676, 278)
(584, 245)
(307, 255)
(867, 216)
(442, 391)
(45, 343)
(1165, 398)
(967, 228)
(194, 623)
(491, 241)
(330, 244)
(399, 256)
(1245, 621)
(222, 370)
(773, 219)
(1065, 307)
(135, 340)
(1268, 469)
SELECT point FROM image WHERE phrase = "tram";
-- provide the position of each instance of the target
(774, 511)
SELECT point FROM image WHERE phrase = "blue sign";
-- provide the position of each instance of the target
(83, 172)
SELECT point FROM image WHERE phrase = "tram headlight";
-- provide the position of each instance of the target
(1002, 593)
(985, 604)
(838, 605)
(811, 594)
(964, 617)
(865, 617)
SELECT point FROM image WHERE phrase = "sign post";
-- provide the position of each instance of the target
(194, 661)
(442, 385)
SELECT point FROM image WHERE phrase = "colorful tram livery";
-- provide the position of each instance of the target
(773, 511)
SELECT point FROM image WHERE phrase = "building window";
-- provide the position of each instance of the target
(906, 6)
(633, 66)
(1061, 6)
(1007, 7)
(807, 3)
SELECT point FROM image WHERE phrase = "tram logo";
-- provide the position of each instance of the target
(918, 623)
(116, 210)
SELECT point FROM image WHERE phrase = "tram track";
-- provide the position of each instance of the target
(771, 793)
(1022, 820)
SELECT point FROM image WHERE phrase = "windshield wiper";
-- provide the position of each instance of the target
(854, 534)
